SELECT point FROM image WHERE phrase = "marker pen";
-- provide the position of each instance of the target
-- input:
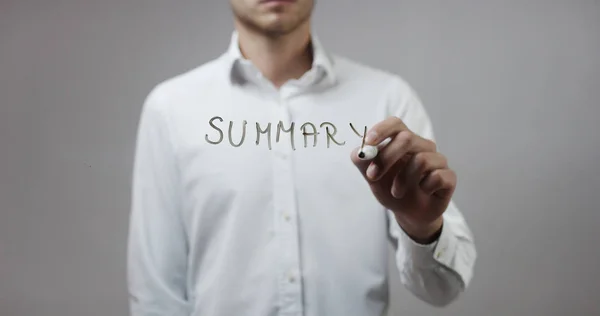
(368, 152)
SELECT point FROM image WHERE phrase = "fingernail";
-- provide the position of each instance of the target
(371, 137)
(372, 171)
(397, 193)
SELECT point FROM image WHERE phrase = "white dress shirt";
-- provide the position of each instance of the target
(282, 225)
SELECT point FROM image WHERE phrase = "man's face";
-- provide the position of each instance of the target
(272, 17)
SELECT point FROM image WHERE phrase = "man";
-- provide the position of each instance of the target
(249, 197)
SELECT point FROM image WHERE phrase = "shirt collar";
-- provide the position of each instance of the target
(321, 58)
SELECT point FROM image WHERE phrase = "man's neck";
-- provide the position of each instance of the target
(278, 59)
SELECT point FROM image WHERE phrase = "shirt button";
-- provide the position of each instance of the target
(292, 279)
(287, 217)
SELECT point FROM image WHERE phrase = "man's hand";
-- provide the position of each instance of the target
(409, 177)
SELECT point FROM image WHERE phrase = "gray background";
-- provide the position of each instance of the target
(513, 88)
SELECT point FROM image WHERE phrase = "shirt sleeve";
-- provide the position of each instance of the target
(439, 272)
(157, 244)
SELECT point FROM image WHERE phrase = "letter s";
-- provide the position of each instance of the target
(218, 130)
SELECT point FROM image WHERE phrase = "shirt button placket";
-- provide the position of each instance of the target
(286, 216)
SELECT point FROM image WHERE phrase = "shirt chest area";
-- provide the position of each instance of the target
(245, 146)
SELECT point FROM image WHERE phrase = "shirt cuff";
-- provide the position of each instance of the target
(440, 251)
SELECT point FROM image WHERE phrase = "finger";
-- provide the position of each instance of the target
(399, 187)
(423, 163)
(382, 185)
(401, 144)
(389, 127)
(440, 183)
(384, 129)
(362, 165)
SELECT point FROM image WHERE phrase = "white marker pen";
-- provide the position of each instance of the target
(368, 152)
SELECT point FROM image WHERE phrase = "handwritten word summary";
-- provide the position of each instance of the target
(307, 129)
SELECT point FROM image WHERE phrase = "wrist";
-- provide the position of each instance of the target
(421, 233)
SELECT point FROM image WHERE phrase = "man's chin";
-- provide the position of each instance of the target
(273, 25)
(278, 29)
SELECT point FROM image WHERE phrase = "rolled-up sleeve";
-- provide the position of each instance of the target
(157, 243)
(439, 272)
